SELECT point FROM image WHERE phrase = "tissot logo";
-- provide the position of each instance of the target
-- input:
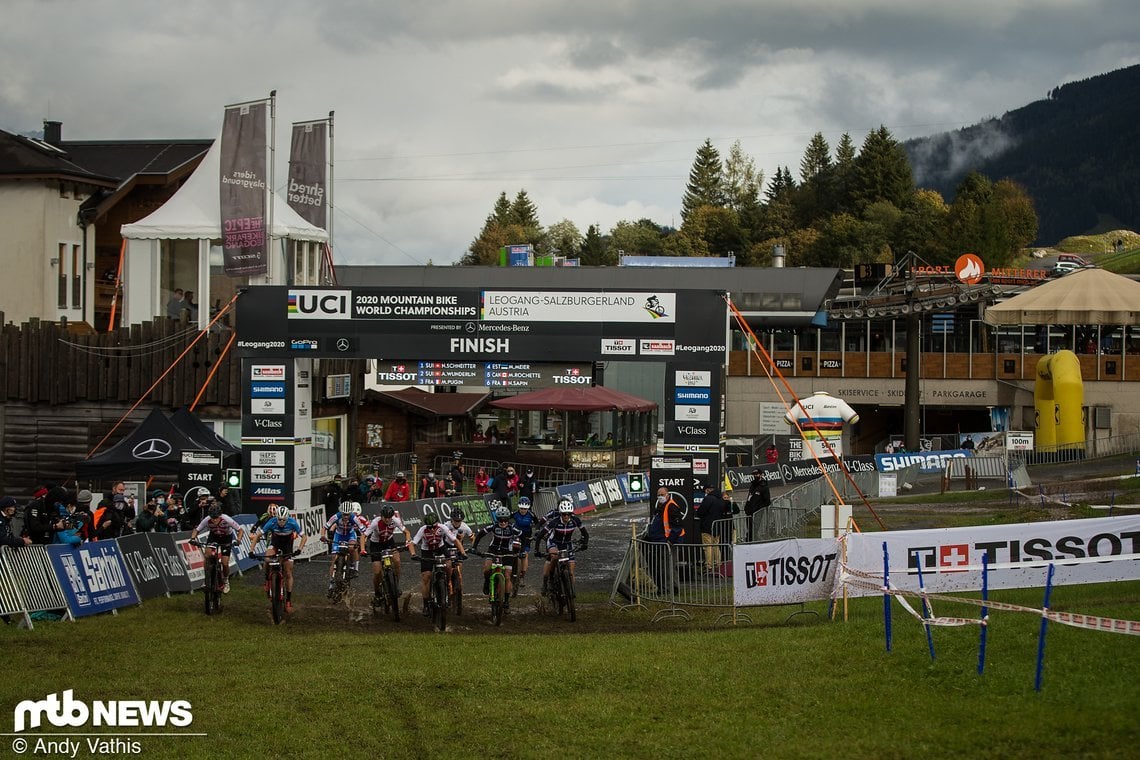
(319, 304)
(151, 448)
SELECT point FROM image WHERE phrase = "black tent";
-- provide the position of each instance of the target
(203, 435)
(154, 448)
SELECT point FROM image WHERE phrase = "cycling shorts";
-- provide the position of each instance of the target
(427, 559)
(224, 547)
(566, 550)
(376, 550)
(282, 544)
(344, 541)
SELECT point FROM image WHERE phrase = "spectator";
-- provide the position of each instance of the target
(226, 500)
(481, 479)
(664, 528)
(512, 483)
(712, 509)
(69, 526)
(176, 515)
(376, 489)
(772, 454)
(83, 511)
(479, 436)
(190, 306)
(398, 489)
(332, 497)
(8, 507)
(151, 519)
(609, 441)
(430, 488)
(456, 474)
(110, 519)
(450, 487)
(528, 484)
(501, 487)
(39, 518)
(759, 498)
(492, 434)
(175, 305)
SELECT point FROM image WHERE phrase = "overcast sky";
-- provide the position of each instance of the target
(596, 107)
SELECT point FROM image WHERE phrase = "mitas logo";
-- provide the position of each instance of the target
(69, 712)
(319, 304)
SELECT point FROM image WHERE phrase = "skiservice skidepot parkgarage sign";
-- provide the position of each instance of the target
(481, 324)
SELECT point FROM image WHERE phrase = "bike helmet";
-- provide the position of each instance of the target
(386, 511)
(399, 476)
(524, 502)
(565, 507)
(430, 518)
(354, 507)
(457, 514)
(282, 513)
(215, 510)
(502, 513)
(271, 510)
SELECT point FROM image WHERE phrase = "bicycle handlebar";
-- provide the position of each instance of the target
(289, 555)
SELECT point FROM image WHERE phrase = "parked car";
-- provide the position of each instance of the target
(1064, 267)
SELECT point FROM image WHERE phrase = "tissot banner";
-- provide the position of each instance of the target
(308, 172)
(1018, 555)
(243, 190)
(784, 572)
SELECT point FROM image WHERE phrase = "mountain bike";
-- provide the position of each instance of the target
(456, 580)
(342, 573)
(498, 597)
(389, 596)
(560, 587)
(438, 598)
(275, 578)
(215, 578)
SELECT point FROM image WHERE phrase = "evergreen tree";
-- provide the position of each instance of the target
(706, 182)
(844, 175)
(594, 250)
(882, 171)
(814, 198)
(742, 181)
(523, 212)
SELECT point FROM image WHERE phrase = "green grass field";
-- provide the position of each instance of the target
(612, 685)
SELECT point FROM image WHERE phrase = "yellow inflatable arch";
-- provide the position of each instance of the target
(1058, 400)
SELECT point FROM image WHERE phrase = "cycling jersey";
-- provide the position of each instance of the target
(431, 539)
(562, 533)
(380, 531)
(503, 538)
(457, 534)
(343, 526)
(223, 530)
(281, 535)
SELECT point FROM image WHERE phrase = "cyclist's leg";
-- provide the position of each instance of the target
(487, 576)
(377, 569)
(551, 560)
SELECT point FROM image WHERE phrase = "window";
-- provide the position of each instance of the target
(61, 272)
(328, 441)
(76, 278)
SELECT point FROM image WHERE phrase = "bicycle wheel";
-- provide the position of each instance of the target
(391, 593)
(441, 602)
(210, 590)
(568, 593)
(277, 601)
(457, 591)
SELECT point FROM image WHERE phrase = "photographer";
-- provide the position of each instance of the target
(69, 523)
(151, 519)
(8, 507)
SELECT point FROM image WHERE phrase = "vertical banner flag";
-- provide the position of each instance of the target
(308, 172)
(243, 189)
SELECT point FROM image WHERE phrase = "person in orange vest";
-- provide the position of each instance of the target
(665, 526)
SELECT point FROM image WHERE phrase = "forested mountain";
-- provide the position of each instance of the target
(1076, 153)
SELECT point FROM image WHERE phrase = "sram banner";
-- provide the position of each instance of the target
(1018, 555)
(784, 572)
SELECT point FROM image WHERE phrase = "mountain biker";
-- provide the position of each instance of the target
(457, 530)
(431, 538)
(379, 536)
(343, 529)
(281, 530)
(560, 533)
(222, 531)
(526, 522)
(506, 540)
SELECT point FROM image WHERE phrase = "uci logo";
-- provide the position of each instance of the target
(319, 304)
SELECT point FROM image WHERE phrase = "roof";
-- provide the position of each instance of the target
(588, 399)
(27, 158)
(1085, 297)
(123, 159)
(431, 404)
(766, 296)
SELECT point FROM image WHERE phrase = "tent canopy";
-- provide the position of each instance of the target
(195, 211)
(154, 448)
(590, 399)
(1083, 297)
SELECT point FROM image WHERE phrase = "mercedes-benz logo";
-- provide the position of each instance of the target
(342, 344)
(470, 327)
(152, 448)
